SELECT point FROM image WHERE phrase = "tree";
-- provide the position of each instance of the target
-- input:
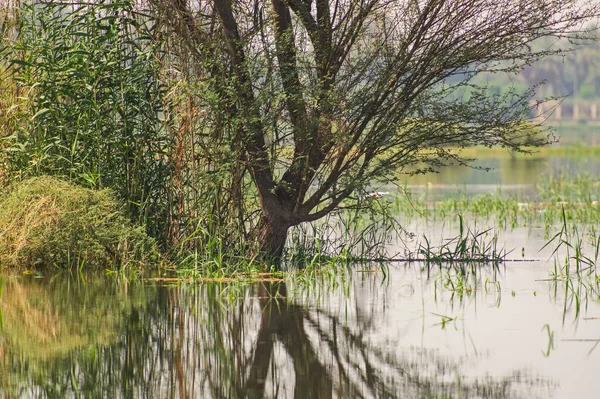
(320, 99)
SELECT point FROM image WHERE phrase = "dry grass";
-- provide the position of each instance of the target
(47, 222)
(9, 94)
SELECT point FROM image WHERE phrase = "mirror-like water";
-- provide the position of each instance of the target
(423, 332)
(518, 176)
(507, 334)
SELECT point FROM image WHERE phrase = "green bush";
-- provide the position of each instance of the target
(47, 222)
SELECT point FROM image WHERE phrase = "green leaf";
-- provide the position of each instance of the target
(20, 62)
(41, 112)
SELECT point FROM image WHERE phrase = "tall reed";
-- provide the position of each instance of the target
(90, 106)
(8, 90)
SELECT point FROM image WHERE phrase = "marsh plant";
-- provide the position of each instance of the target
(358, 233)
(575, 265)
(90, 103)
(470, 245)
(577, 197)
(465, 280)
(47, 222)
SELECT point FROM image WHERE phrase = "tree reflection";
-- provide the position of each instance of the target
(284, 321)
(192, 342)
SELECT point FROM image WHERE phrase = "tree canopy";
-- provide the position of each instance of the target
(320, 99)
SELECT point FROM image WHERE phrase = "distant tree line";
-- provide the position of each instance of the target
(574, 74)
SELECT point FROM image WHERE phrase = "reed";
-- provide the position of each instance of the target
(578, 197)
(90, 103)
(469, 246)
(467, 281)
(575, 266)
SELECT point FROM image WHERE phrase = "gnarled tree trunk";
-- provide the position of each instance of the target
(272, 230)
(326, 96)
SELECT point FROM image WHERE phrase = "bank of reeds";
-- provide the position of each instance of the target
(99, 94)
(88, 103)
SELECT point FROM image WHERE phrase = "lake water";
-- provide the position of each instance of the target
(517, 176)
(501, 332)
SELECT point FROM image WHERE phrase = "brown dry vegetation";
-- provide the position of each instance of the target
(9, 95)
(47, 222)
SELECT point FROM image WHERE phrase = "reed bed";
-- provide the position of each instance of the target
(578, 197)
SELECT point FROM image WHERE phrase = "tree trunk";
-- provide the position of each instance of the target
(272, 234)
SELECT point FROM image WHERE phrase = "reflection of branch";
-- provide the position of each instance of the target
(312, 378)
(255, 385)
(178, 358)
(369, 377)
(182, 344)
(179, 370)
(286, 323)
(224, 336)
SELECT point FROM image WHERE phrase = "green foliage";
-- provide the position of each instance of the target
(583, 188)
(91, 102)
(358, 233)
(576, 275)
(470, 246)
(47, 222)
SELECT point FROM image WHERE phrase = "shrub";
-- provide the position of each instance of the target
(47, 222)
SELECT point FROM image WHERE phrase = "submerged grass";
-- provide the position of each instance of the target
(579, 198)
(575, 266)
(570, 205)
(458, 262)
(469, 246)
(466, 279)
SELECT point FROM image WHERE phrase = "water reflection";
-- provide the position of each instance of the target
(69, 338)
(518, 176)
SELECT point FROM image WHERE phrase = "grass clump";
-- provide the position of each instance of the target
(48, 222)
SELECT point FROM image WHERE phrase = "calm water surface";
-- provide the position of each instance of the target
(510, 175)
(509, 332)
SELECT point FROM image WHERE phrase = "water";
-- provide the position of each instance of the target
(403, 337)
(518, 176)
(507, 332)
